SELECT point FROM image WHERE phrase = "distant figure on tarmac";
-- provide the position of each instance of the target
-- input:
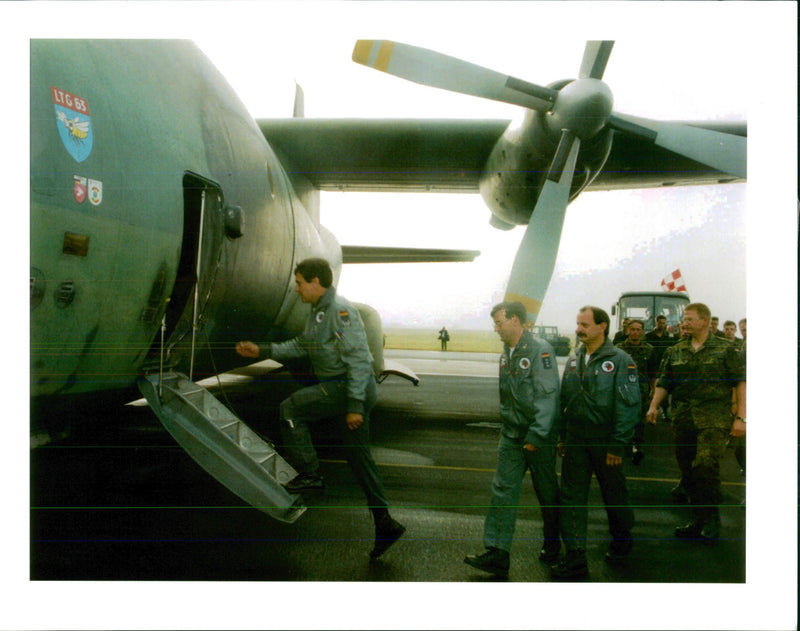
(444, 336)
(529, 411)
(336, 343)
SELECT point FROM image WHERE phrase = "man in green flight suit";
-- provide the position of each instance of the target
(528, 383)
(600, 404)
(702, 373)
(336, 343)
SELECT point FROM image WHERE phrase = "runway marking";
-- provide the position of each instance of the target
(483, 470)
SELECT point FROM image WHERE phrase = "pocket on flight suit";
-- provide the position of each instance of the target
(628, 392)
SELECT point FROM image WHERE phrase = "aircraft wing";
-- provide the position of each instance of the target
(386, 155)
(448, 155)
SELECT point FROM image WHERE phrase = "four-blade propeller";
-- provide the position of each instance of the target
(577, 112)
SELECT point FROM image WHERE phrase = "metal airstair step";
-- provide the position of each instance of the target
(223, 444)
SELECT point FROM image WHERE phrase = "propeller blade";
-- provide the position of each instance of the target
(536, 256)
(725, 152)
(595, 59)
(448, 73)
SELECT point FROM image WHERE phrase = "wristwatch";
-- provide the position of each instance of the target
(740, 418)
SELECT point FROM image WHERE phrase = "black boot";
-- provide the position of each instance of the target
(693, 529)
(305, 482)
(619, 550)
(549, 552)
(712, 526)
(573, 566)
(494, 561)
(387, 532)
(679, 494)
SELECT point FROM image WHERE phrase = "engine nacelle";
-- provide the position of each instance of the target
(517, 166)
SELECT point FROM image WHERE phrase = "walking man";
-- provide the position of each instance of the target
(600, 407)
(702, 373)
(644, 356)
(336, 343)
(529, 390)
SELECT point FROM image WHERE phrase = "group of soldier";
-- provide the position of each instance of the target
(606, 395)
(590, 417)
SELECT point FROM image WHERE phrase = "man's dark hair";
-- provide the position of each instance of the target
(661, 317)
(599, 316)
(729, 322)
(512, 309)
(313, 268)
(636, 321)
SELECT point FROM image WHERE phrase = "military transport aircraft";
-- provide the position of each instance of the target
(166, 222)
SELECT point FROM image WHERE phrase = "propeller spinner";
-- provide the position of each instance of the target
(577, 112)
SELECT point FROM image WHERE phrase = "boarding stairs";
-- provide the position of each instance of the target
(222, 444)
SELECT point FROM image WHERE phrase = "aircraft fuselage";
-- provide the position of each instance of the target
(148, 173)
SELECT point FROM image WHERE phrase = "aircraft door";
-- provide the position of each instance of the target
(200, 258)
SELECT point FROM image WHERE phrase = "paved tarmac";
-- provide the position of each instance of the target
(128, 504)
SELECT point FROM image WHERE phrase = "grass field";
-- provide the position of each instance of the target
(428, 340)
(465, 341)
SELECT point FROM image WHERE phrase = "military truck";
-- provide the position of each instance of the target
(560, 343)
(646, 305)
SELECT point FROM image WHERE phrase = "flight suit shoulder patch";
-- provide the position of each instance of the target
(608, 366)
(547, 361)
(344, 316)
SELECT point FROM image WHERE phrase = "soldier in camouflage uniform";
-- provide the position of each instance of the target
(644, 356)
(336, 343)
(729, 330)
(701, 373)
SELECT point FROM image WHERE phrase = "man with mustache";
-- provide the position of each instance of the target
(600, 403)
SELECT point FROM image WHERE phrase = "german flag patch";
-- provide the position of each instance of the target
(546, 361)
(345, 317)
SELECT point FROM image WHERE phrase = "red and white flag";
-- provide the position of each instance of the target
(673, 282)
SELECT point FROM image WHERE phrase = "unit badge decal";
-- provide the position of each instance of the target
(524, 363)
(608, 366)
(74, 123)
(95, 192)
(320, 316)
(79, 188)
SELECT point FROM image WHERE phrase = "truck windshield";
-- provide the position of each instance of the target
(646, 308)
